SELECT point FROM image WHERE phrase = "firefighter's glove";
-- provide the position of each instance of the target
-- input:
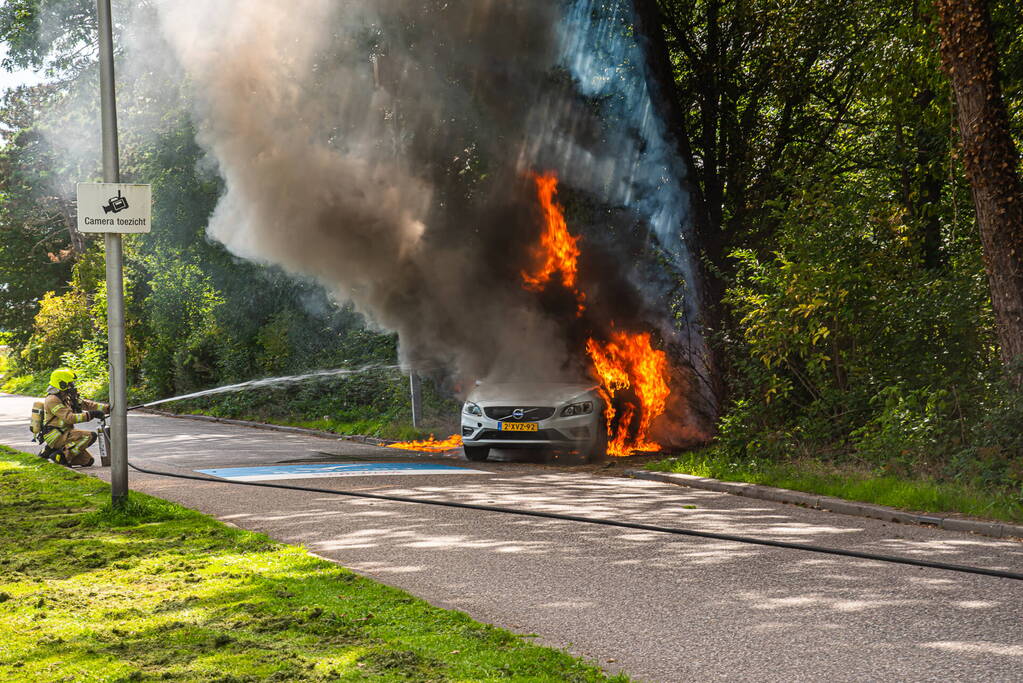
(96, 414)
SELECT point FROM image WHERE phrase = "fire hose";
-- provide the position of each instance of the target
(893, 559)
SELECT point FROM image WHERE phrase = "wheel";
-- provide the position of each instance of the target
(476, 453)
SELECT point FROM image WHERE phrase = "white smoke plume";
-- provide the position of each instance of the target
(340, 130)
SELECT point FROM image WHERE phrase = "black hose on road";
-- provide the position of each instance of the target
(894, 559)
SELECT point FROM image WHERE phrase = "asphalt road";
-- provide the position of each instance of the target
(660, 608)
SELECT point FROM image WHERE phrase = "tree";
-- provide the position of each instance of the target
(991, 160)
(57, 34)
(38, 240)
(750, 92)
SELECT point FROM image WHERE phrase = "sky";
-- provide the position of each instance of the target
(24, 77)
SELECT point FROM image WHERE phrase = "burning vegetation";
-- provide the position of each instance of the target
(431, 445)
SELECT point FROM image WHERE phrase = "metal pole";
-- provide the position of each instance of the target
(417, 400)
(115, 279)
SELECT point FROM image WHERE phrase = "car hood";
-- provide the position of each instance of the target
(529, 393)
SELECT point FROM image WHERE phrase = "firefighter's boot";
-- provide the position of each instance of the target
(47, 453)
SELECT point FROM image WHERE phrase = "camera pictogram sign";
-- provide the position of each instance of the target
(114, 207)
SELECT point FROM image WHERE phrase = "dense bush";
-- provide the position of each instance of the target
(63, 324)
(849, 346)
(90, 366)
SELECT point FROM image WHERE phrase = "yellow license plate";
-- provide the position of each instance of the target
(519, 427)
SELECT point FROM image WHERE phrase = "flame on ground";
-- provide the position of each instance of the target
(629, 361)
(430, 445)
(558, 250)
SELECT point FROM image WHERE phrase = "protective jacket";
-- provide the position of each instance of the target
(60, 414)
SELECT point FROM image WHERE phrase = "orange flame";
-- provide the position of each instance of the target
(558, 250)
(629, 361)
(430, 445)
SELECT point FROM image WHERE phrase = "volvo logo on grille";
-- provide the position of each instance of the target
(518, 413)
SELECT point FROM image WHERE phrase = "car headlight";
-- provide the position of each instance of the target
(471, 408)
(577, 409)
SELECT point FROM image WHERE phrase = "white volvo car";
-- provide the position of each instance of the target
(543, 415)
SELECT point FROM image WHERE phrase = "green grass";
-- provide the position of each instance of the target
(155, 591)
(820, 478)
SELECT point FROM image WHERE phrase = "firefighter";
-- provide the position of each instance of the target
(63, 408)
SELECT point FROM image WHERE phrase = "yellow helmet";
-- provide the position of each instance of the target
(62, 378)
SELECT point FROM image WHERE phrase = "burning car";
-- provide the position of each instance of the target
(554, 415)
(632, 375)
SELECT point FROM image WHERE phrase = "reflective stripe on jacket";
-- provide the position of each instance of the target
(58, 415)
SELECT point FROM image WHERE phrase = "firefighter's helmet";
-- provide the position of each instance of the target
(62, 378)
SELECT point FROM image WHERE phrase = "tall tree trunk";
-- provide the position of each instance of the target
(931, 151)
(991, 161)
(706, 217)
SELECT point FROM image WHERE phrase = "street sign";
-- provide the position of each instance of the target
(114, 207)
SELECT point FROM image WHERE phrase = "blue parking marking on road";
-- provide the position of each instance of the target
(320, 470)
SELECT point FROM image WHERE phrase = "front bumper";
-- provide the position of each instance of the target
(577, 432)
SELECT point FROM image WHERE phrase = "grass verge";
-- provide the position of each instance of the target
(382, 427)
(155, 591)
(851, 484)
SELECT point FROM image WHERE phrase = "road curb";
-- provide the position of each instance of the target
(837, 505)
(304, 431)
